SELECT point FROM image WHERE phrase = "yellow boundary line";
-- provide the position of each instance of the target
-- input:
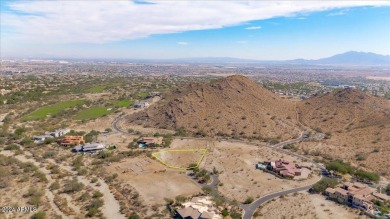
(177, 150)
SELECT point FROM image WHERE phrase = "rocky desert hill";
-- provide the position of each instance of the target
(232, 106)
(358, 126)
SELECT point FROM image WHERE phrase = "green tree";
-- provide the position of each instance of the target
(248, 200)
(180, 199)
(323, 184)
(134, 215)
(39, 215)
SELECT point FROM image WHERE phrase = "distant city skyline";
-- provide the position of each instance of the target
(258, 30)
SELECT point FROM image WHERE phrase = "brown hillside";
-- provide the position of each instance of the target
(344, 110)
(232, 106)
(358, 124)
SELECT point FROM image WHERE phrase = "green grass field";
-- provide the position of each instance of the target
(92, 113)
(52, 110)
(122, 103)
(97, 89)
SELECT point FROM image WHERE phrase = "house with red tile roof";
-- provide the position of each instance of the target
(285, 168)
(357, 194)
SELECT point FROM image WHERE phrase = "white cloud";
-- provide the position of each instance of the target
(242, 42)
(183, 43)
(253, 28)
(339, 13)
(107, 21)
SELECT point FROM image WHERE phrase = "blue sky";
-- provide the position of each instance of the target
(179, 29)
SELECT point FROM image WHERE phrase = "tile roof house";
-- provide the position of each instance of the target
(199, 208)
(285, 168)
(72, 140)
(188, 213)
(356, 194)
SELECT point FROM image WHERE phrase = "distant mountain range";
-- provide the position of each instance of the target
(351, 58)
(348, 58)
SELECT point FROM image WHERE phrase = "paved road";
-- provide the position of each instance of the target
(115, 125)
(251, 208)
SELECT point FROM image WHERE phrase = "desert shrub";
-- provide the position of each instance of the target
(84, 197)
(77, 162)
(111, 178)
(55, 169)
(26, 141)
(94, 180)
(55, 185)
(82, 171)
(181, 132)
(235, 215)
(49, 154)
(28, 167)
(339, 166)
(180, 199)
(206, 189)
(388, 188)
(41, 176)
(48, 140)
(318, 129)
(19, 131)
(360, 157)
(201, 133)
(134, 215)
(93, 207)
(367, 175)
(73, 186)
(225, 213)
(92, 212)
(323, 184)
(12, 147)
(34, 197)
(103, 154)
(248, 200)
(97, 194)
(168, 201)
(39, 215)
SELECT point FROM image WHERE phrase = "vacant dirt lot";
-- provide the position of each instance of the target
(152, 180)
(304, 206)
(180, 159)
(236, 162)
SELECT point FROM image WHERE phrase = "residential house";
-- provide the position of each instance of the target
(285, 168)
(149, 141)
(72, 140)
(60, 132)
(188, 213)
(141, 105)
(356, 194)
(90, 147)
(199, 208)
(42, 138)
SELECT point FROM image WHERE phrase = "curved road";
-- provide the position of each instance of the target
(249, 209)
